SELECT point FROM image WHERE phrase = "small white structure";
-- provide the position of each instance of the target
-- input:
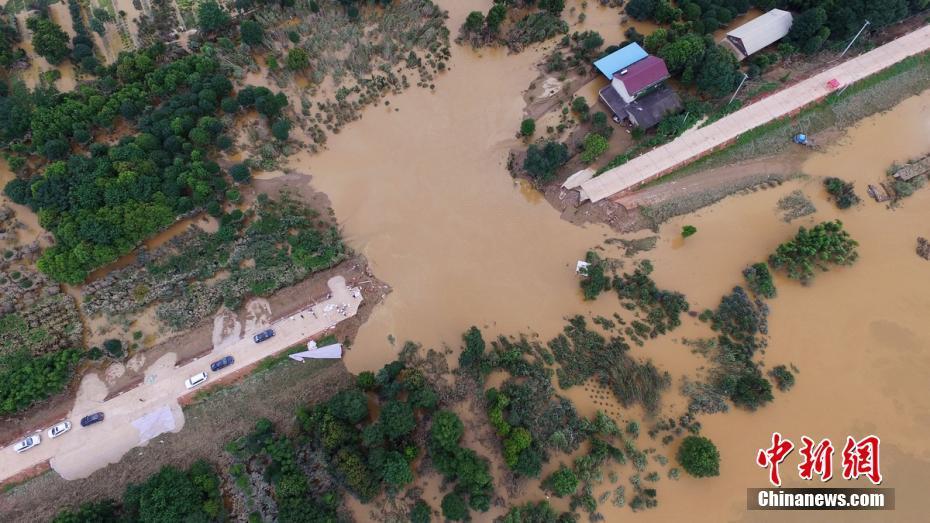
(329, 352)
(760, 32)
(582, 267)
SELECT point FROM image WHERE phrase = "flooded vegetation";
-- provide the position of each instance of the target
(493, 381)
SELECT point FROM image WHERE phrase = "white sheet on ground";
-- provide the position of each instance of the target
(154, 423)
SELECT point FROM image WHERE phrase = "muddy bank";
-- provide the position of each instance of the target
(199, 340)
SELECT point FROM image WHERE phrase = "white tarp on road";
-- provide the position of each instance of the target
(154, 423)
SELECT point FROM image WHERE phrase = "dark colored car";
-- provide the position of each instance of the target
(263, 335)
(90, 419)
(219, 364)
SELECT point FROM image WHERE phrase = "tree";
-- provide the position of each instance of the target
(447, 430)
(683, 56)
(281, 129)
(496, 17)
(826, 243)
(759, 279)
(808, 31)
(641, 9)
(699, 457)
(240, 173)
(474, 23)
(472, 354)
(594, 146)
(104, 511)
(719, 72)
(397, 419)
(841, 192)
(581, 108)
(688, 230)
(349, 405)
(251, 32)
(555, 7)
(454, 507)
(174, 495)
(594, 281)
(48, 39)
(750, 389)
(527, 127)
(396, 470)
(211, 16)
(784, 378)
(562, 482)
(542, 162)
(297, 59)
(421, 512)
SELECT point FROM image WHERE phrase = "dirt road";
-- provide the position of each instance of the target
(140, 414)
(701, 141)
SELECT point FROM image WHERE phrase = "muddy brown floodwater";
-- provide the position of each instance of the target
(422, 190)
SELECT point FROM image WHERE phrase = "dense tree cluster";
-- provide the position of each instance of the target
(82, 45)
(816, 248)
(662, 308)
(169, 495)
(26, 379)
(593, 280)
(542, 162)
(741, 323)
(367, 455)
(9, 37)
(461, 466)
(48, 39)
(581, 352)
(538, 25)
(99, 206)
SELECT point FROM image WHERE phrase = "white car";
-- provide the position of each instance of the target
(59, 429)
(195, 380)
(28, 443)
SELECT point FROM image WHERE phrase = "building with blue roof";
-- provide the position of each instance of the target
(620, 59)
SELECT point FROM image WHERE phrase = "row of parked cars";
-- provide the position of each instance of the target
(97, 417)
(56, 431)
(201, 377)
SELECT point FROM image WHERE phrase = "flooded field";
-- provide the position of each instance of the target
(422, 190)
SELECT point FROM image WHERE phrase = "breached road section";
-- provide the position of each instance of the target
(693, 145)
(136, 416)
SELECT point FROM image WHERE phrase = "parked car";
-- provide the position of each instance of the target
(263, 335)
(195, 380)
(219, 364)
(28, 443)
(59, 429)
(90, 419)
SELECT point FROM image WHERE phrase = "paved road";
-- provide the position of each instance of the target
(692, 145)
(132, 418)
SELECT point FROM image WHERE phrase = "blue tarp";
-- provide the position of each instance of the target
(620, 59)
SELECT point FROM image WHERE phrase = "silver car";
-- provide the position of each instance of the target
(195, 380)
(59, 429)
(27, 443)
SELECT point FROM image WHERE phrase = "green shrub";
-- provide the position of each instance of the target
(562, 482)
(699, 457)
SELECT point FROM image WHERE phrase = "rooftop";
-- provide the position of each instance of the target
(763, 31)
(620, 59)
(649, 110)
(642, 74)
